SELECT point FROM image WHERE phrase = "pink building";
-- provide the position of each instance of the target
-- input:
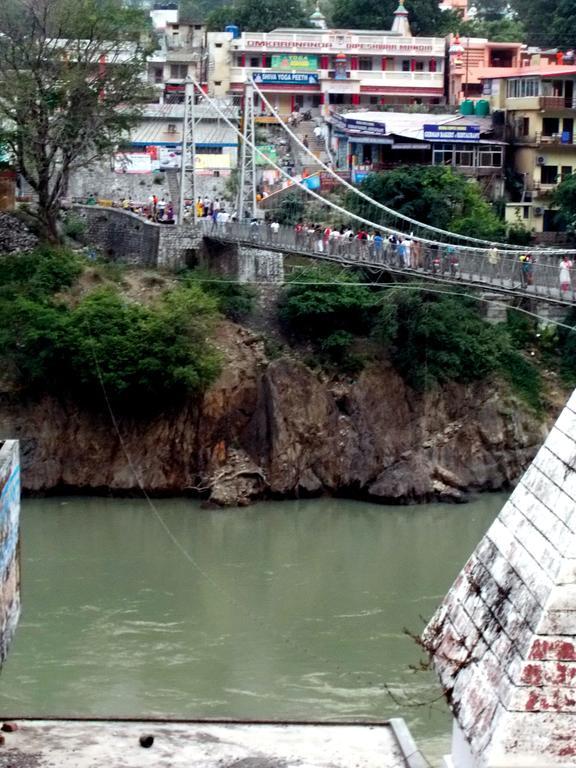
(471, 59)
(455, 5)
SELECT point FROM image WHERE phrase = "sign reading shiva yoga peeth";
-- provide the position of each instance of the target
(297, 61)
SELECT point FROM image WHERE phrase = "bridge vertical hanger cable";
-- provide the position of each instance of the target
(389, 211)
(329, 203)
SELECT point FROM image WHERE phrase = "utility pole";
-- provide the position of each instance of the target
(247, 189)
(187, 160)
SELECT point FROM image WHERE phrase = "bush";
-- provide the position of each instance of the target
(441, 338)
(41, 272)
(325, 302)
(236, 301)
(524, 377)
(74, 226)
(139, 355)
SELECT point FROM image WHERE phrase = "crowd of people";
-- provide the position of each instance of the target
(395, 250)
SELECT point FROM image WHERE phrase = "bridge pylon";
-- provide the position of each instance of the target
(246, 207)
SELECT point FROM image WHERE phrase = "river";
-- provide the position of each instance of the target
(284, 610)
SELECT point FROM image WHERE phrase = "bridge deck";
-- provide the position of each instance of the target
(509, 276)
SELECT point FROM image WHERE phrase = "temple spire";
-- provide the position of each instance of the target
(401, 25)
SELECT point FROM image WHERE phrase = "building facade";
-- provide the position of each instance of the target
(315, 69)
(538, 106)
(472, 58)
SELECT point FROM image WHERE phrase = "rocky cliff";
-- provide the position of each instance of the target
(279, 429)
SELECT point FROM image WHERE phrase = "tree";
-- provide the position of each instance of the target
(425, 16)
(263, 17)
(491, 10)
(547, 24)
(70, 85)
(503, 30)
(432, 195)
(564, 196)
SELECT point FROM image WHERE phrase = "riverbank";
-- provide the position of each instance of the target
(275, 428)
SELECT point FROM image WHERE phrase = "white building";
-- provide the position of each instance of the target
(313, 68)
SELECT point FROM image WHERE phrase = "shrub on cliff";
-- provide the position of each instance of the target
(322, 301)
(141, 353)
(235, 300)
(41, 272)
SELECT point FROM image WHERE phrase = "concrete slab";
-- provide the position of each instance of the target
(207, 744)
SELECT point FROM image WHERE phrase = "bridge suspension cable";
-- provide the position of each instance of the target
(395, 214)
(334, 206)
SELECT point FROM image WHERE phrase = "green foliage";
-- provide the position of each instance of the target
(500, 30)
(292, 208)
(521, 328)
(567, 348)
(433, 195)
(59, 108)
(324, 302)
(142, 353)
(39, 273)
(564, 196)
(524, 377)
(425, 16)
(138, 355)
(236, 301)
(441, 338)
(547, 24)
(263, 17)
(74, 226)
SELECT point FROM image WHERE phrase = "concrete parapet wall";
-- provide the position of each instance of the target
(120, 235)
(9, 543)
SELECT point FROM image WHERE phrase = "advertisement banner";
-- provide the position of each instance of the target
(285, 78)
(452, 133)
(132, 162)
(270, 153)
(289, 61)
(357, 126)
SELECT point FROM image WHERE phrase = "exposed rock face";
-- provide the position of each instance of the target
(15, 235)
(278, 429)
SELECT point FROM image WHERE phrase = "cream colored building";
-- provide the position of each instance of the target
(538, 105)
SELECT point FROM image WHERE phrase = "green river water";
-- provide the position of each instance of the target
(288, 610)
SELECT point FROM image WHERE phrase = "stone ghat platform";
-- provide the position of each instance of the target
(205, 744)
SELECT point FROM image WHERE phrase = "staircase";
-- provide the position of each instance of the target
(173, 182)
(316, 146)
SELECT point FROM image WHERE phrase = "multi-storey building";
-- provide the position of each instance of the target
(455, 5)
(538, 105)
(472, 58)
(317, 67)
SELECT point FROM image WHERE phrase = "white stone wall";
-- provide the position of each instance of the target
(504, 640)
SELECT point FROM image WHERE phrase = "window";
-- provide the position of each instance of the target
(178, 71)
(373, 99)
(526, 211)
(365, 63)
(490, 157)
(549, 174)
(207, 150)
(254, 61)
(217, 45)
(550, 126)
(519, 88)
(419, 66)
(217, 83)
(525, 126)
(443, 154)
(406, 65)
(465, 157)
(565, 171)
(432, 66)
(267, 61)
(316, 100)
(158, 74)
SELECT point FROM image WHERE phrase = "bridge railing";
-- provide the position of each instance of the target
(531, 273)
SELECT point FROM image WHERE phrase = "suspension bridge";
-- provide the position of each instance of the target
(436, 255)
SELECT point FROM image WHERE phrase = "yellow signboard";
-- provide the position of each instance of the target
(290, 61)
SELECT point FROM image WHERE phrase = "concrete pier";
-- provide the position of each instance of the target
(504, 640)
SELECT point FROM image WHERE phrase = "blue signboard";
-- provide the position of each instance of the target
(285, 78)
(357, 126)
(451, 132)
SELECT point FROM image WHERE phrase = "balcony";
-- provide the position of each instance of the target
(357, 78)
(345, 42)
(540, 103)
(557, 141)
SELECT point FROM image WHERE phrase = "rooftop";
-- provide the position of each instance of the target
(544, 70)
(117, 744)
